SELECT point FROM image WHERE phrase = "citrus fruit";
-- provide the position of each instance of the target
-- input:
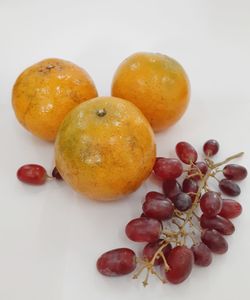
(45, 92)
(105, 148)
(156, 84)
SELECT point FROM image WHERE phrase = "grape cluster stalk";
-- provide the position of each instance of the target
(186, 222)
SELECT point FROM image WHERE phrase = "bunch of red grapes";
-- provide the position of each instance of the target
(185, 223)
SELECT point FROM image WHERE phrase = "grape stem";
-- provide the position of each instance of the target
(227, 160)
(192, 237)
(157, 253)
(203, 184)
(198, 170)
(190, 213)
(176, 223)
(149, 265)
(197, 217)
(213, 176)
(192, 225)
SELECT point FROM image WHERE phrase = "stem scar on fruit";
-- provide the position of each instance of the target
(101, 112)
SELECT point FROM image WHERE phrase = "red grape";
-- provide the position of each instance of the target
(159, 157)
(182, 201)
(230, 209)
(56, 174)
(32, 174)
(229, 187)
(190, 187)
(235, 172)
(211, 204)
(158, 209)
(211, 147)
(171, 188)
(222, 225)
(143, 230)
(150, 249)
(168, 168)
(180, 261)
(202, 166)
(154, 196)
(215, 241)
(117, 262)
(202, 254)
(186, 152)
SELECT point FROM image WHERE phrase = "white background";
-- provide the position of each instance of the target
(50, 237)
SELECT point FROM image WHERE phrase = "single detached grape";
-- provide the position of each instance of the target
(158, 209)
(180, 261)
(199, 167)
(143, 230)
(186, 152)
(222, 225)
(210, 204)
(182, 201)
(117, 262)
(229, 187)
(230, 209)
(190, 187)
(202, 255)
(32, 174)
(171, 188)
(56, 174)
(168, 168)
(235, 172)
(150, 249)
(211, 147)
(215, 241)
(154, 196)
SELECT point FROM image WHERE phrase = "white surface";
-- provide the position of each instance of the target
(50, 237)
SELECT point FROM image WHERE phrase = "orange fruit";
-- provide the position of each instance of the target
(105, 148)
(45, 92)
(156, 84)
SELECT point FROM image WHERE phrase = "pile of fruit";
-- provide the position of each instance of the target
(184, 224)
(105, 149)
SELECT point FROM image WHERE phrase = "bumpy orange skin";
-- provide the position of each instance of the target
(45, 92)
(155, 83)
(105, 148)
